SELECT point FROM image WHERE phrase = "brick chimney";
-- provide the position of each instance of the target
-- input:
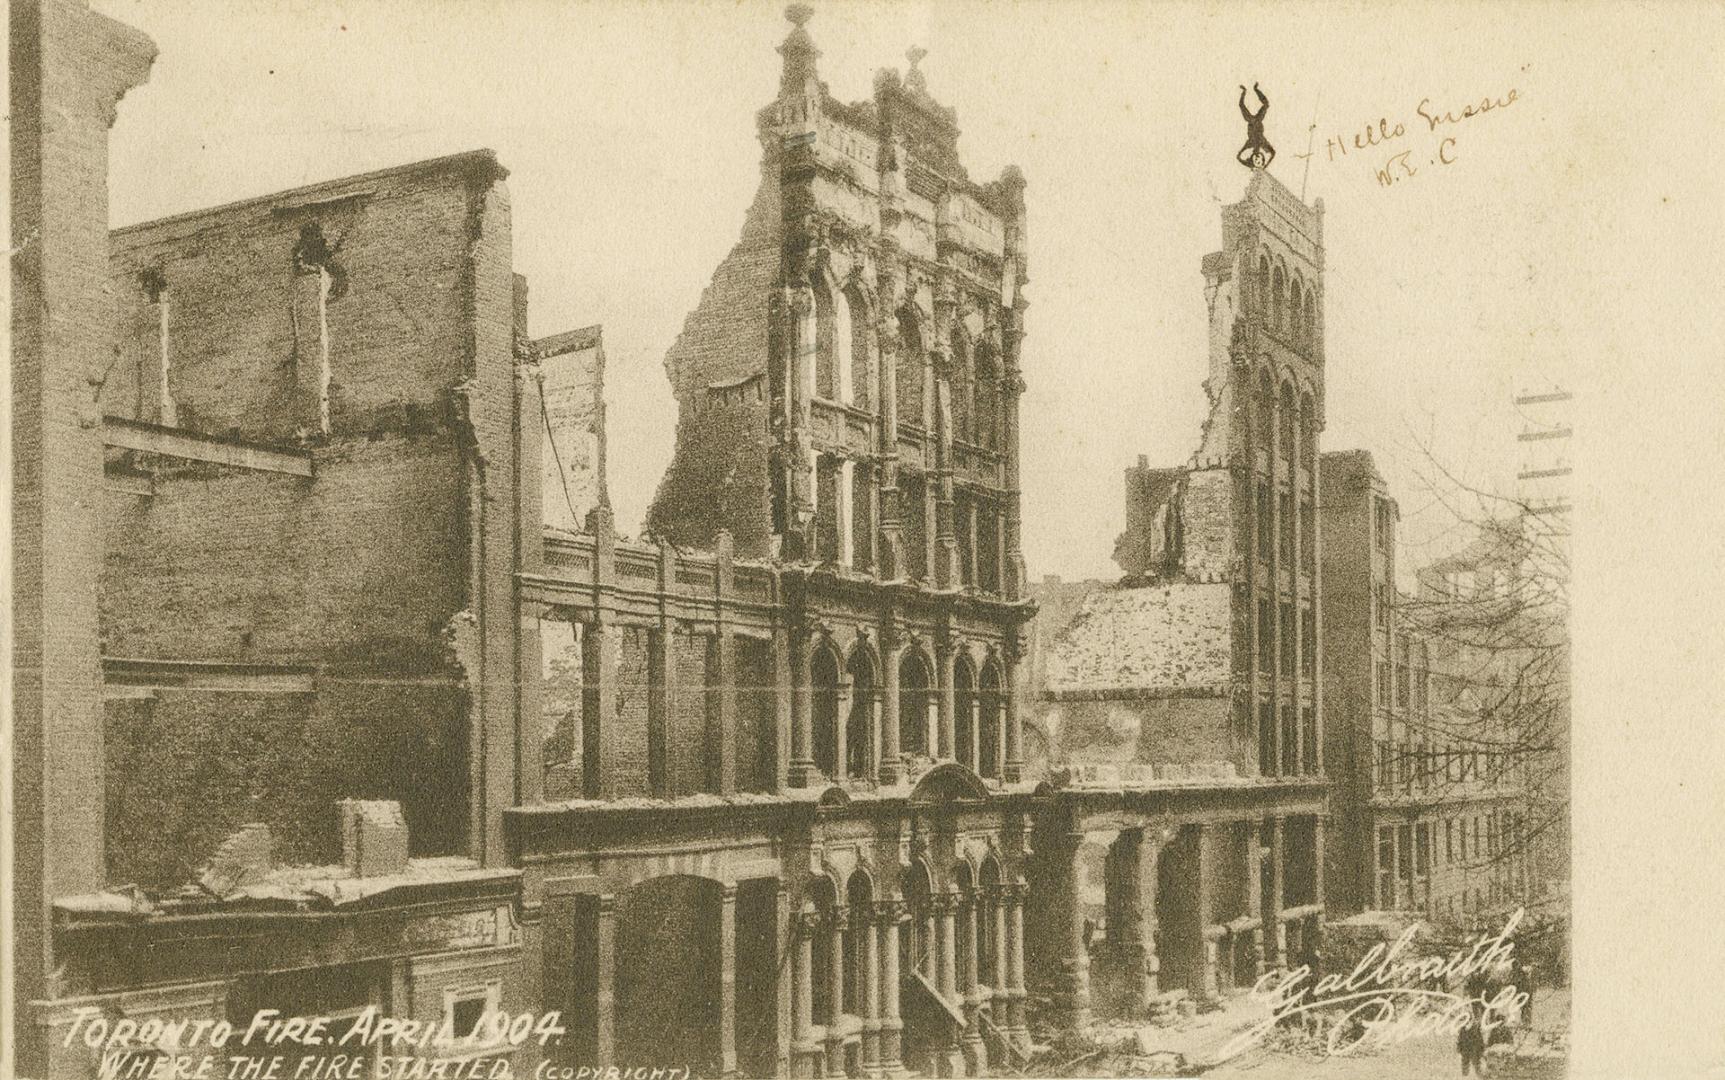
(373, 837)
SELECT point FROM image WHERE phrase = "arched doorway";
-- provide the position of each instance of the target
(667, 974)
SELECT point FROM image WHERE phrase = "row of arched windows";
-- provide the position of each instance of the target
(1276, 429)
(1287, 304)
(845, 356)
(855, 703)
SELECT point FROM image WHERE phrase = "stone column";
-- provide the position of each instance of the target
(889, 565)
(1013, 770)
(890, 914)
(946, 655)
(1135, 948)
(728, 980)
(1015, 271)
(783, 706)
(1255, 896)
(997, 928)
(1017, 1027)
(945, 572)
(946, 972)
(835, 973)
(1149, 883)
(1277, 936)
(785, 959)
(973, 717)
(846, 485)
(868, 939)
(661, 707)
(970, 915)
(604, 922)
(1073, 982)
(599, 651)
(841, 726)
(802, 771)
(1318, 859)
(805, 1052)
(722, 708)
(1207, 984)
(891, 761)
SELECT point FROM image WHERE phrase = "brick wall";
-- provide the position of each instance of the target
(756, 702)
(363, 565)
(389, 571)
(718, 477)
(686, 734)
(630, 746)
(239, 325)
(188, 768)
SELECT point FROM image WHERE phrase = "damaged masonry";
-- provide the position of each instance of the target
(352, 697)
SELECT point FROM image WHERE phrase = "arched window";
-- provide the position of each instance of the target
(964, 704)
(1266, 415)
(987, 397)
(965, 886)
(962, 390)
(1287, 449)
(907, 371)
(822, 955)
(916, 943)
(1279, 300)
(862, 349)
(991, 935)
(915, 695)
(1263, 289)
(1311, 320)
(1297, 310)
(859, 896)
(989, 742)
(1308, 434)
(860, 747)
(824, 686)
(826, 344)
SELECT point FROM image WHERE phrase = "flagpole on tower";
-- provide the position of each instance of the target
(1311, 133)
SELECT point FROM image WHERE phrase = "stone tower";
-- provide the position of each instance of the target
(848, 386)
(1235, 529)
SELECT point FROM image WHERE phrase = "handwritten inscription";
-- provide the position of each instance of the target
(1390, 996)
(1400, 149)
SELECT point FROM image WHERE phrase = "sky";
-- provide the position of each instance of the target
(629, 133)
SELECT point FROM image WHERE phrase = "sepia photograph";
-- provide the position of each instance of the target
(621, 541)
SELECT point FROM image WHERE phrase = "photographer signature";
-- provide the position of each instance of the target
(1391, 996)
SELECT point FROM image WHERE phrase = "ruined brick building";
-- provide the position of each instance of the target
(1196, 679)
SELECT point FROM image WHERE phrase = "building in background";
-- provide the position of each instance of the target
(1430, 762)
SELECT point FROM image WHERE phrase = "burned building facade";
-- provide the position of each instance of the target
(1195, 680)
(787, 730)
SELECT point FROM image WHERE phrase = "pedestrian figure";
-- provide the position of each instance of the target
(1470, 1040)
(1524, 985)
